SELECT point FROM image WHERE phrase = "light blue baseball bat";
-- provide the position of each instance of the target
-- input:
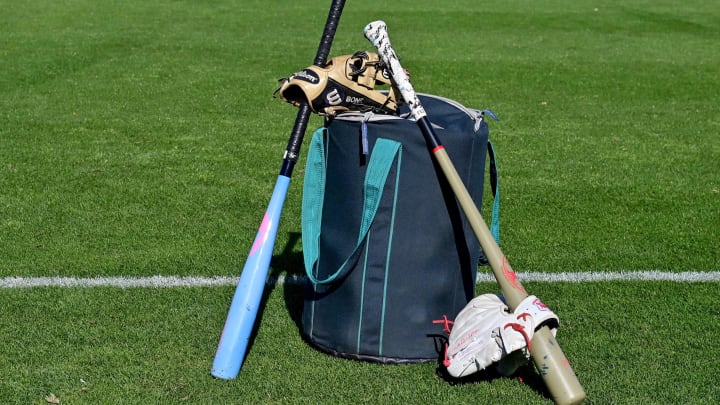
(248, 294)
(245, 304)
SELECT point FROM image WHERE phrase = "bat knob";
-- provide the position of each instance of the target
(375, 30)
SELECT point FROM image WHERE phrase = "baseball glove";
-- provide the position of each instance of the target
(345, 83)
(486, 333)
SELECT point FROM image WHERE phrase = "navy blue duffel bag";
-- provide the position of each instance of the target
(387, 249)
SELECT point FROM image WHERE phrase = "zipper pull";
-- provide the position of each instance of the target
(363, 133)
(481, 115)
(490, 113)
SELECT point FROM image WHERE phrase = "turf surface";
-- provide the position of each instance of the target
(141, 138)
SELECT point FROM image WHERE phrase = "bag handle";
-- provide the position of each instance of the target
(495, 186)
(381, 160)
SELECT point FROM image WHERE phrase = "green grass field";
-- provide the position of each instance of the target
(141, 138)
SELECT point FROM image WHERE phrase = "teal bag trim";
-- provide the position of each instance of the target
(495, 185)
(387, 258)
(381, 160)
(388, 159)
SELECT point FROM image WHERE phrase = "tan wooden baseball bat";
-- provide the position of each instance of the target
(547, 355)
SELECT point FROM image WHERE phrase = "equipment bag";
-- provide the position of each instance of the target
(387, 249)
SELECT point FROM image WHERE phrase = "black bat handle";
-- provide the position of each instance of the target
(333, 19)
(292, 151)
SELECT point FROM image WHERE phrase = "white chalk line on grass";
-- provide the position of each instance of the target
(189, 281)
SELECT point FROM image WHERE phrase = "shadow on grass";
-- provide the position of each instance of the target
(525, 374)
(290, 264)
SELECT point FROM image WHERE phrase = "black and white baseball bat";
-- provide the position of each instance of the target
(244, 307)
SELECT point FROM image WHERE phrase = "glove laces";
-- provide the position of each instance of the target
(520, 328)
(446, 328)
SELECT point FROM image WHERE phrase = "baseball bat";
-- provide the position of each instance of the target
(549, 359)
(245, 303)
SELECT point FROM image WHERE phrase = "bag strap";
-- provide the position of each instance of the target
(381, 160)
(495, 186)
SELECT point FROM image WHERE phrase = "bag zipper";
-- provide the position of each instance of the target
(474, 114)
